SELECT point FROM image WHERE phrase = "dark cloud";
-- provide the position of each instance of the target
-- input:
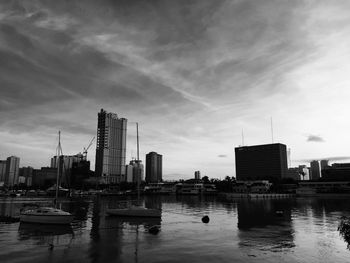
(222, 155)
(314, 138)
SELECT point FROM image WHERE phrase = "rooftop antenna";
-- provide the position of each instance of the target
(271, 130)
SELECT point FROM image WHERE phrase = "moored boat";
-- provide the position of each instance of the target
(46, 215)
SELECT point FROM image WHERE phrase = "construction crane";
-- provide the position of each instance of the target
(87, 148)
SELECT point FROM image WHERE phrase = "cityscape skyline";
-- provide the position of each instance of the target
(193, 74)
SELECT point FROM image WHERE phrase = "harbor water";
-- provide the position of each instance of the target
(241, 230)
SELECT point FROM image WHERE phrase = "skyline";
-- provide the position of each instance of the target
(193, 74)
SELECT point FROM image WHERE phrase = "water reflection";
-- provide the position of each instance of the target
(265, 224)
(50, 235)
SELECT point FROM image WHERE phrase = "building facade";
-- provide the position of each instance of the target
(2, 171)
(110, 147)
(154, 167)
(261, 162)
(197, 175)
(315, 170)
(26, 175)
(12, 171)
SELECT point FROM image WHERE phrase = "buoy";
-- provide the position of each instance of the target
(154, 230)
(205, 219)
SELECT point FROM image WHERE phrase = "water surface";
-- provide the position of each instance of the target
(305, 230)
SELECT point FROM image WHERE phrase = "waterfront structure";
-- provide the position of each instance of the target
(154, 167)
(197, 175)
(261, 162)
(12, 171)
(2, 171)
(110, 147)
(315, 170)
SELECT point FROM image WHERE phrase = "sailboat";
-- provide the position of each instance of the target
(135, 211)
(49, 215)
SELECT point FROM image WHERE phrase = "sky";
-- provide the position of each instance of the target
(195, 75)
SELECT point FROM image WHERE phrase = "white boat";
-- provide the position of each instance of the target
(134, 211)
(46, 215)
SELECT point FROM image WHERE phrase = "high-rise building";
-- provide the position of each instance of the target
(67, 163)
(2, 171)
(12, 170)
(261, 162)
(110, 147)
(315, 170)
(197, 175)
(154, 168)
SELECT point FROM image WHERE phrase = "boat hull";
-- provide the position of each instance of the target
(47, 219)
(134, 212)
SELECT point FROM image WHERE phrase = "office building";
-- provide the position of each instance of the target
(261, 162)
(110, 147)
(304, 172)
(336, 172)
(197, 175)
(12, 171)
(315, 170)
(154, 168)
(2, 170)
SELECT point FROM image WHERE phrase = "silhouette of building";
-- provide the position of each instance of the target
(26, 175)
(44, 177)
(12, 171)
(304, 172)
(261, 162)
(2, 170)
(110, 147)
(197, 175)
(315, 170)
(324, 164)
(154, 167)
(336, 172)
(67, 163)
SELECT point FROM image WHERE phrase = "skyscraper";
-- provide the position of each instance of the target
(2, 171)
(154, 167)
(261, 162)
(12, 170)
(315, 170)
(110, 147)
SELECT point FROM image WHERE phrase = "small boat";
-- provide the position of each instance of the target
(134, 211)
(46, 215)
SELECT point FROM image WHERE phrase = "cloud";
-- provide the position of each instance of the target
(222, 155)
(330, 159)
(314, 138)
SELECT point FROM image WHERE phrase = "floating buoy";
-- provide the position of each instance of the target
(154, 230)
(205, 219)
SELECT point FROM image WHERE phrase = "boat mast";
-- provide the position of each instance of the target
(59, 150)
(138, 162)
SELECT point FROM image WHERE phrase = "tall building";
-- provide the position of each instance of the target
(12, 170)
(154, 168)
(315, 170)
(2, 171)
(197, 175)
(67, 163)
(261, 162)
(110, 147)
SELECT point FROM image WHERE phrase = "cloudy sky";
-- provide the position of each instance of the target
(194, 74)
